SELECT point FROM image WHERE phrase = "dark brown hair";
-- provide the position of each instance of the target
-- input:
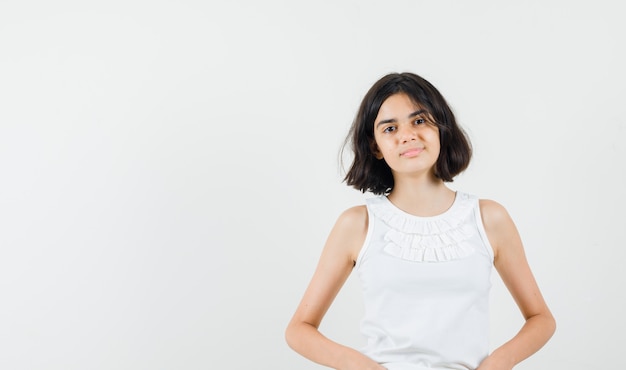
(367, 173)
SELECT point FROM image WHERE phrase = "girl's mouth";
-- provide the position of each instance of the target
(413, 152)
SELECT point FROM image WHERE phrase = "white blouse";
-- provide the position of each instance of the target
(426, 284)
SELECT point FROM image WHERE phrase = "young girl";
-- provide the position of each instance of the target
(423, 252)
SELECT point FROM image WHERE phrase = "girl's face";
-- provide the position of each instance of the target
(406, 136)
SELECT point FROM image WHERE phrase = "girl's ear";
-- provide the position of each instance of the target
(375, 151)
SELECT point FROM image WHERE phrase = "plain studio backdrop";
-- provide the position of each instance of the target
(169, 169)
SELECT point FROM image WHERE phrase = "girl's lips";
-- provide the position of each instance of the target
(411, 152)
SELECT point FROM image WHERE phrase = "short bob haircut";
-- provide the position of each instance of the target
(367, 173)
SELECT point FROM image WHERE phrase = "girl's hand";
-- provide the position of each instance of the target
(358, 361)
(373, 366)
(494, 363)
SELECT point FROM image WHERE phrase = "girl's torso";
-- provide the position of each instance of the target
(425, 284)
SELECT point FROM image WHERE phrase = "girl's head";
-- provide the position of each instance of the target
(367, 172)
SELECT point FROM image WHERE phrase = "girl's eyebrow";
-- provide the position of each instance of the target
(392, 120)
(417, 113)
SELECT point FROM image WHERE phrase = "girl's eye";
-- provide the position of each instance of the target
(389, 129)
(419, 121)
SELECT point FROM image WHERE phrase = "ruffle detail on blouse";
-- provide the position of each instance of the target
(427, 239)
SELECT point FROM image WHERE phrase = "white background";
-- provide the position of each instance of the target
(169, 169)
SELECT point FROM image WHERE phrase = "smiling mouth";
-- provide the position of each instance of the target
(411, 152)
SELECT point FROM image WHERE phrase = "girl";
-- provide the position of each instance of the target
(423, 252)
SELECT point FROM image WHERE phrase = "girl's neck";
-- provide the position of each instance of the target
(421, 197)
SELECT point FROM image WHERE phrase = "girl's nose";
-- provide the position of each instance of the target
(407, 134)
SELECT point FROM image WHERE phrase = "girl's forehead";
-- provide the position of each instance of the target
(404, 97)
(400, 102)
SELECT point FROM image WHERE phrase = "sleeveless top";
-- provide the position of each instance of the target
(425, 283)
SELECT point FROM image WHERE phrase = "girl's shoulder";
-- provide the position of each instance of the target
(353, 218)
(350, 230)
(498, 224)
(492, 212)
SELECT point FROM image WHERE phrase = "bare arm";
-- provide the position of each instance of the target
(510, 262)
(334, 267)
